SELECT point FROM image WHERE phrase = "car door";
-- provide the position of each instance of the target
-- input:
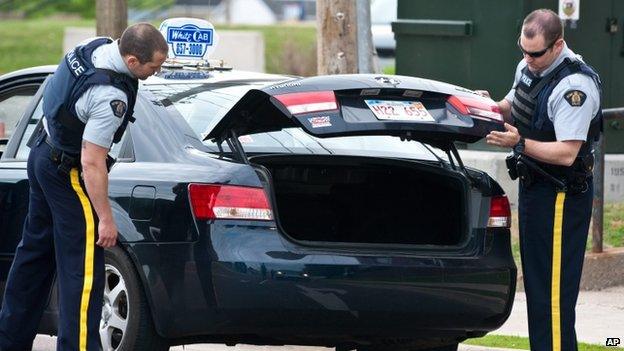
(13, 177)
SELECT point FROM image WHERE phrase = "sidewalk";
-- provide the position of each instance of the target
(599, 315)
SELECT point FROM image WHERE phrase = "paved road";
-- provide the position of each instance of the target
(600, 314)
(47, 343)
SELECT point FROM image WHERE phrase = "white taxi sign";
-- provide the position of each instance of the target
(189, 38)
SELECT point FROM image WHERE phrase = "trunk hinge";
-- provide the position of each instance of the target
(235, 146)
(453, 149)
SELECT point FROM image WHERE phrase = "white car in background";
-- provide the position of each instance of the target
(383, 13)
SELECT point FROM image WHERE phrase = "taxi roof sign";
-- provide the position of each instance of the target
(189, 38)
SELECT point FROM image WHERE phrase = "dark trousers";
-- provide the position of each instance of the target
(553, 234)
(59, 237)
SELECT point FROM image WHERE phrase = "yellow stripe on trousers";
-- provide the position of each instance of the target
(88, 263)
(556, 273)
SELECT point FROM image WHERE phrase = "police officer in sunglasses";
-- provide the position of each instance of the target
(553, 114)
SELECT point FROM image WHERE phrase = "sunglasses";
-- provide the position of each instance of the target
(536, 54)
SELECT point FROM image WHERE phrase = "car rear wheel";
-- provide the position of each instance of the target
(126, 322)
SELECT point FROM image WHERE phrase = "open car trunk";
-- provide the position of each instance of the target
(348, 199)
(364, 200)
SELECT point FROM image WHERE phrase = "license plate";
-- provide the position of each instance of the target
(392, 110)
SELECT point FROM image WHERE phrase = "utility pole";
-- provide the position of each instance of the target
(344, 42)
(367, 54)
(111, 17)
(228, 11)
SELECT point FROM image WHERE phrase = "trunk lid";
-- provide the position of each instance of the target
(347, 105)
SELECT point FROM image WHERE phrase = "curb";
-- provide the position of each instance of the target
(603, 270)
(600, 270)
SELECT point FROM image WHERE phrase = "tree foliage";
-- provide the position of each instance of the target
(82, 8)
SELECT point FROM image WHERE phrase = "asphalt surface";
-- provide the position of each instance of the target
(600, 315)
(47, 343)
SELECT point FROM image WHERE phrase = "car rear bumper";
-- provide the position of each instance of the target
(249, 280)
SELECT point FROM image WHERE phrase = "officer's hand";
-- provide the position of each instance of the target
(107, 233)
(483, 93)
(508, 138)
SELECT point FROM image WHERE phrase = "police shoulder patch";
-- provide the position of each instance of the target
(119, 108)
(575, 97)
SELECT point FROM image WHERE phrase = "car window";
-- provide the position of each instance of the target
(23, 150)
(13, 103)
(203, 106)
(122, 151)
(117, 150)
(296, 140)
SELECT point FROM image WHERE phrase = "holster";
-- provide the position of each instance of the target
(581, 172)
(518, 169)
(64, 160)
(510, 162)
(525, 173)
(67, 162)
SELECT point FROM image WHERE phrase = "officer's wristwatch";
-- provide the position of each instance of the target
(519, 147)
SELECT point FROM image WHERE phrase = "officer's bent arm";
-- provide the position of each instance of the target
(561, 153)
(95, 175)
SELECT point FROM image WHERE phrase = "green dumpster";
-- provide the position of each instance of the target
(472, 43)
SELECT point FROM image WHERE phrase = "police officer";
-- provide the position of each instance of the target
(554, 107)
(87, 105)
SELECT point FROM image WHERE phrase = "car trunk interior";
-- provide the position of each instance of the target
(348, 199)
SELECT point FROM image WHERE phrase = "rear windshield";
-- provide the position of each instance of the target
(203, 106)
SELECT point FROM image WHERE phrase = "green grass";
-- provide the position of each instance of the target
(28, 43)
(389, 70)
(613, 234)
(517, 342)
(289, 49)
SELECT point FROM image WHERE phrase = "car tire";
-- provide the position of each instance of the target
(126, 322)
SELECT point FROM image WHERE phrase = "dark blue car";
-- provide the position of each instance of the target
(271, 210)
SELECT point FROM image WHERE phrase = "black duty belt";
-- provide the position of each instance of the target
(64, 160)
(576, 181)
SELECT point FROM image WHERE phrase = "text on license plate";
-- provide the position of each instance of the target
(399, 110)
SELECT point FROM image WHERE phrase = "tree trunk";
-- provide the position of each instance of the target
(336, 36)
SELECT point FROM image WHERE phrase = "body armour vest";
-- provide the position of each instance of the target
(530, 112)
(74, 75)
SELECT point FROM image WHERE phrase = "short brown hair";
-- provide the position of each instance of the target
(142, 40)
(544, 22)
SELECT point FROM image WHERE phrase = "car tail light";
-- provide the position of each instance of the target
(211, 201)
(500, 212)
(478, 107)
(307, 102)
